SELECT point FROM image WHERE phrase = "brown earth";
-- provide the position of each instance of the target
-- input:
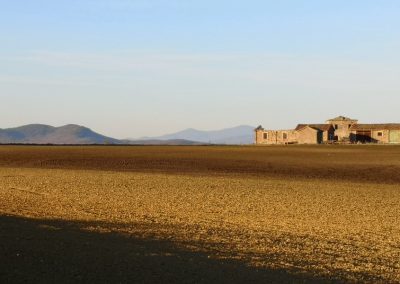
(200, 214)
(358, 163)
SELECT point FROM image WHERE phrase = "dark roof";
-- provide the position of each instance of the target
(259, 128)
(383, 126)
(321, 127)
(342, 118)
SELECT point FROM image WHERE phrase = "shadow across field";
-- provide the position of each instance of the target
(56, 251)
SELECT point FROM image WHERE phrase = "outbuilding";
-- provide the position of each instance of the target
(375, 133)
(324, 133)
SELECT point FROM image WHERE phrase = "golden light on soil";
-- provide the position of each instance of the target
(200, 214)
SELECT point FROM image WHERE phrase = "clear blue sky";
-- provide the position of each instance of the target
(130, 68)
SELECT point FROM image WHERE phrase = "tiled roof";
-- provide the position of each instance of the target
(322, 127)
(341, 118)
(385, 126)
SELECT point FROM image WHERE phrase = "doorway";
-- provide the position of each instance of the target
(364, 136)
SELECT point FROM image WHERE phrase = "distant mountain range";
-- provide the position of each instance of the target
(76, 134)
(243, 134)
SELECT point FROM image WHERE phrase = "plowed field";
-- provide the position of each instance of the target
(200, 214)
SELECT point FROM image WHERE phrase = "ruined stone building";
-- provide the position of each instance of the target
(337, 130)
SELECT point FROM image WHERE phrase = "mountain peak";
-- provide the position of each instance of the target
(46, 134)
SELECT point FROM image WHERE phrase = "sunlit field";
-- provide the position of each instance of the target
(200, 214)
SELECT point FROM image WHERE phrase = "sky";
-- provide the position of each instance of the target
(133, 68)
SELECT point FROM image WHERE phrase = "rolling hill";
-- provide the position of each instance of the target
(45, 134)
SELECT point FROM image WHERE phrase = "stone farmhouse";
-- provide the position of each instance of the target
(337, 130)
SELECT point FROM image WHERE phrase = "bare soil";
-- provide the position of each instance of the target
(194, 214)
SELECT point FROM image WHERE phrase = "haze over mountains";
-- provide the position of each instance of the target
(76, 134)
(243, 134)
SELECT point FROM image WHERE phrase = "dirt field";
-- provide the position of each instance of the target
(200, 214)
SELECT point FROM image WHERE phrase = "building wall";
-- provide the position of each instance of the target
(270, 137)
(325, 136)
(394, 136)
(342, 128)
(259, 139)
(384, 138)
(307, 135)
(328, 136)
(375, 136)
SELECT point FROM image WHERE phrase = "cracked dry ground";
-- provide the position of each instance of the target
(200, 214)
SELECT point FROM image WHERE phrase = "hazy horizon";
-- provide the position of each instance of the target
(134, 138)
(147, 68)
